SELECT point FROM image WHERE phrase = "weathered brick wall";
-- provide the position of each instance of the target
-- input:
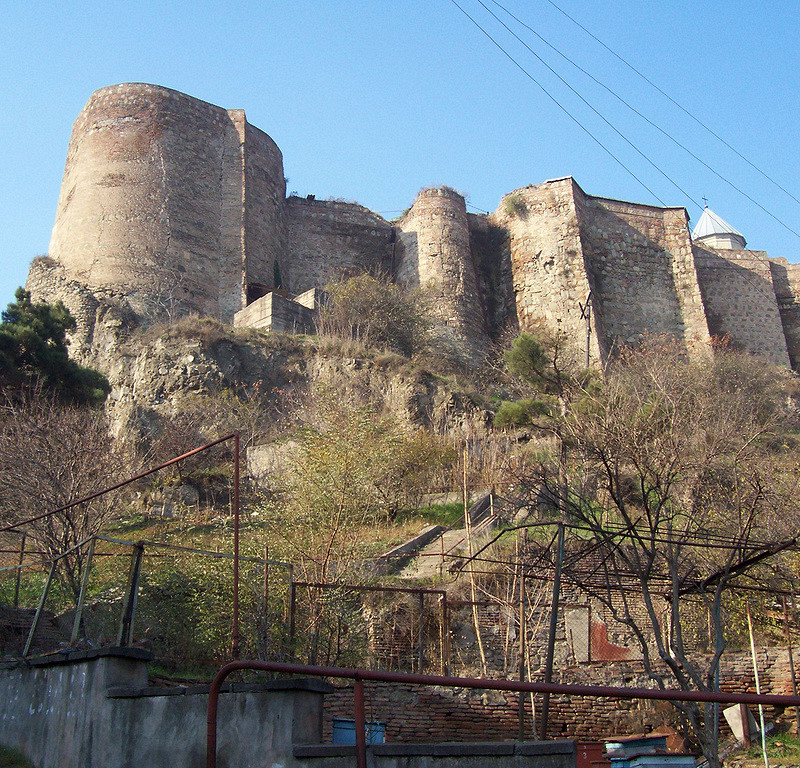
(740, 300)
(434, 251)
(153, 192)
(640, 263)
(432, 713)
(329, 240)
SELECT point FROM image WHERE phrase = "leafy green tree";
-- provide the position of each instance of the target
(33, 350)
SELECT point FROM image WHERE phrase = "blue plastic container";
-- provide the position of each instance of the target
(344, 732)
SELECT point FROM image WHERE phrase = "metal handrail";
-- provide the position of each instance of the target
(360, 675)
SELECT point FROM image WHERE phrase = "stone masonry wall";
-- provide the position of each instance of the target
(786, 282)
(643, 279)
(264, 208)
(153, 195)
(489, 246)
(547, 261)
(740, 301)
(434, 252)
(329, 240)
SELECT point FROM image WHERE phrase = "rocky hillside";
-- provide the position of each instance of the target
(156, 370)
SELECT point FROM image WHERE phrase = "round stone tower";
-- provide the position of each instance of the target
(152, 203)
(435, 253)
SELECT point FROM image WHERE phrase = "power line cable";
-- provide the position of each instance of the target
(675, 103)
(558, 104)
(590, 106)
(637, 112)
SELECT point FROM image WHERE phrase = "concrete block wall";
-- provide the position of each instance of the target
(93, 709)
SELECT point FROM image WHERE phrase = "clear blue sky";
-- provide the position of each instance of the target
(371, 100)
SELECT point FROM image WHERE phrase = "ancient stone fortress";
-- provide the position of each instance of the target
(168, 201)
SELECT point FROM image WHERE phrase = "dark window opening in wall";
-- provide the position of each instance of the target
(277, 280)
(256, 291)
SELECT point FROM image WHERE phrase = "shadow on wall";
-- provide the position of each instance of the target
(740, 302)
(633, 282)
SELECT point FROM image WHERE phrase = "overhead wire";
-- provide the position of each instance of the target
(674, 102)
(557, 102)
(642, 116)
(586, 102)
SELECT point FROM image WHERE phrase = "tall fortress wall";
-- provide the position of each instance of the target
(167, 199)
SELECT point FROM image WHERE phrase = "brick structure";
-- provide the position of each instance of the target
(168, 199)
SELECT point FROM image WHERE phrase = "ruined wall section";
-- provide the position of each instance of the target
(152, 200)
(330, 240)
(435, 253)
(740, 301)
(644, 280)
(786, 283)
(550, 280)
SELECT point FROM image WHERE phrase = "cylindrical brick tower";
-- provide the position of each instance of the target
(158, 197)
(435, 253)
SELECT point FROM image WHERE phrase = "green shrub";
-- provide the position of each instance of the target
(376, 313)
(521, 413)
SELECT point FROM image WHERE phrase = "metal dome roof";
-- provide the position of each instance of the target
(711, 225)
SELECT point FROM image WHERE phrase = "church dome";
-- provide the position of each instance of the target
(715, 232)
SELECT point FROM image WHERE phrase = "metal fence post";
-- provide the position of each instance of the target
(125, 634)
(87, 567)
(39, 608)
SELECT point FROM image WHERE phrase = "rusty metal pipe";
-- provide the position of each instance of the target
(359, 715)
(471, 682)
(236, 635)
(115, 487)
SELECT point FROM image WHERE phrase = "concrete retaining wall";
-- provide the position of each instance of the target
(94, 710)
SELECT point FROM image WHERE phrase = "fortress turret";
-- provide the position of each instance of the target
(164, 193)
(435, 253)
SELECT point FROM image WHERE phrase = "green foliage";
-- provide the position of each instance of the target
(347, 470)
(450, 514)
(522, 413)
(33, 350)
(376, 313)
(783, 748)
(527, 359)
(11, 758)
(514, 205)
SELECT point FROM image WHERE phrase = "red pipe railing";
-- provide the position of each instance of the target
(360, 675)
(236, 635)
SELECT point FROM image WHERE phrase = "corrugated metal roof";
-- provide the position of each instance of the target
(711, 224)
